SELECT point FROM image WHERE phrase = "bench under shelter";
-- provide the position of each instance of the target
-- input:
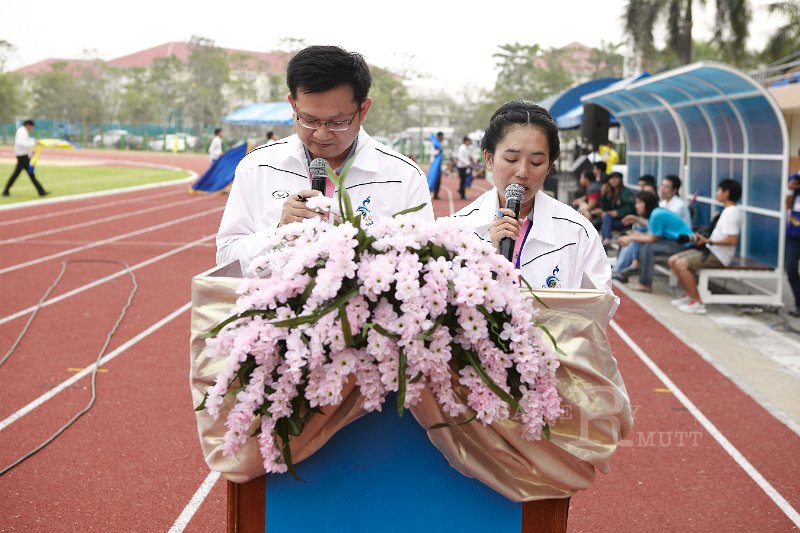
(706, 122)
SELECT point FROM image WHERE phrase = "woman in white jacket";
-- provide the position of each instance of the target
(555, 246)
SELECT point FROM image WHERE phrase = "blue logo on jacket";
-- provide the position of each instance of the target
(552, 282)
(366, 216)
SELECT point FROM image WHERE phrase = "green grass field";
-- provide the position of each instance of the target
(68, 180)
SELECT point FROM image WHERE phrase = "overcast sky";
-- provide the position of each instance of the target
(451, 43)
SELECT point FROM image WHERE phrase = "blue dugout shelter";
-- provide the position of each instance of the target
(706, 122)
(566, 107)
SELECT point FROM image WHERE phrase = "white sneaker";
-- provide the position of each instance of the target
(695, 308)
(683, 300)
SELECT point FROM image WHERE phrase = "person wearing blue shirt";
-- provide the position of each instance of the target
(664, 229)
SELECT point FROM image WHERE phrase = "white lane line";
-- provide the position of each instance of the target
(726, 445)
(43, 201)
(195, 503)
(106, 241)
(88, 208)
(98, 221)
(88, 370)
(106, 279)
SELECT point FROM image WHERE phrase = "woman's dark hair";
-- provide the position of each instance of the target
(733, 187)
(650, 202)
(521, 112)
(318, 69)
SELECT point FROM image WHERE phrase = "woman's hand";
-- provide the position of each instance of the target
(295, 208)
(504, 225)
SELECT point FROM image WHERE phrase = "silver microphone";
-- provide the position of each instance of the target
(318, 174)
(514, 194)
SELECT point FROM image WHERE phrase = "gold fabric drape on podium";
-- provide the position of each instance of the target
(597, 409)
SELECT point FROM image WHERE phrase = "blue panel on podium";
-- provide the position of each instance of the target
(381, 474)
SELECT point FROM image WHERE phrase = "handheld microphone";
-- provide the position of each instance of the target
(318, 174)
(514, 194)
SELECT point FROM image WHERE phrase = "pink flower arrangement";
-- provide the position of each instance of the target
(396, 307)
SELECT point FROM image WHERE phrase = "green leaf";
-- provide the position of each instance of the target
(202, 405)
(441, 425)
(541, 326)
(425, 335)
(528, 285)
(348, 336)
(213, 332)
(503, 395)
(401, 382)
(383, 331)
(410, 210)
(546, 431)
(315, 316)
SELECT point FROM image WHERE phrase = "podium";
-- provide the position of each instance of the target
(383, 473)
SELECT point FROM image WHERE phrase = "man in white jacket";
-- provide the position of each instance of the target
(23, 146)
(328, 89)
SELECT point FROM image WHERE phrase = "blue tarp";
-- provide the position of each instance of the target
(435, 170)
(262, 113)
(566, 107)
(220, 173)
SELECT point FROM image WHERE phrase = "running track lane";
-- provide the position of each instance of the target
(653, 415)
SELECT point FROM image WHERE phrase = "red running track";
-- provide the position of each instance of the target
(133, 462)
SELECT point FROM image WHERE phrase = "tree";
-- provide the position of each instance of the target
(606, 60)
(139, 102)
(72, 94)
(390, 100)
(730, 31)
(786, 39)
(11, 104)
(208, 73)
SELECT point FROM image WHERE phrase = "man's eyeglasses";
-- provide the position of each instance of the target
(332, 125)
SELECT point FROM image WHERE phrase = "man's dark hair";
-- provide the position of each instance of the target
(733, 187)
(217, 131)
(270, 134)
(465, 139)
(650, 202)
(616, 174)
(29, 122)
(675, 180)
(600, 165)
(648, 180)
(317, 69)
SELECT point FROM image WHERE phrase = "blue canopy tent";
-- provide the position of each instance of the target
(262, 113)
(706, 122)
(566, 107)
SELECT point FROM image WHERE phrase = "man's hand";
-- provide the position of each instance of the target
(295, 208)
(507, 226)
(624, 240)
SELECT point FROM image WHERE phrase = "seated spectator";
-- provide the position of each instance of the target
(670, 199)
(590, 199)
(616, 201)
(646, 181)
(628, 257)
(664, 230)
(715, 251)
(599, 171)
(792, 260)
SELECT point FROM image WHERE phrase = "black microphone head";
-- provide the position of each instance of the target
(514, 194)
(318, 174)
